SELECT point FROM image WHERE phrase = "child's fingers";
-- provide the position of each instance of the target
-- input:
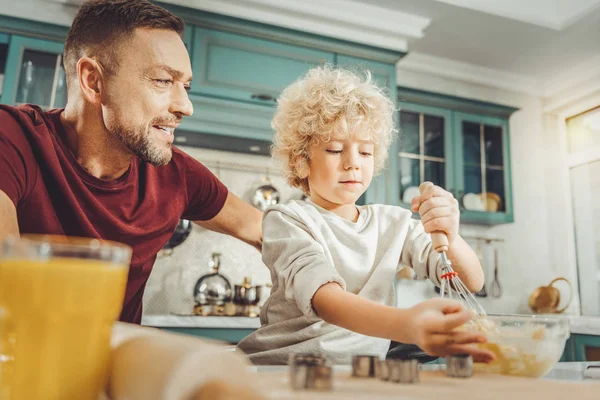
(448, 322)
(462, 337)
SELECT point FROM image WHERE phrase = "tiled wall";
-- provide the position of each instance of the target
(170, 288)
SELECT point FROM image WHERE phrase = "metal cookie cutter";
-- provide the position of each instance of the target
(363, 366)
(310, 371)
(403, 371)
(381, 370)
(459, 366)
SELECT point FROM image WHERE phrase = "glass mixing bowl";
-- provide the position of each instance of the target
(524, 345)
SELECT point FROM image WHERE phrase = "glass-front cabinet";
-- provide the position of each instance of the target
(34, 73)
(468, 154)
(424, 150)
(483, 175)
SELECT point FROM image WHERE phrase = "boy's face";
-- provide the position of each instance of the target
(340, 171)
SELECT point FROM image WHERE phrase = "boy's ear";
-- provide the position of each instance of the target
(303, 170)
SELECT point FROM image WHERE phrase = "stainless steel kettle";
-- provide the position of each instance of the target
(213, 289)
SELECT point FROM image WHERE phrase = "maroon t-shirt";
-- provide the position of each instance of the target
(53, 194)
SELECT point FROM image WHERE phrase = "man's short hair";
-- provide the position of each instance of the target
(101, 25)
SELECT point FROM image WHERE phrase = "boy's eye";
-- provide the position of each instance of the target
(365, 153)
(334, 151)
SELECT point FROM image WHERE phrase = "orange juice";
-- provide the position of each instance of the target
(56, 317)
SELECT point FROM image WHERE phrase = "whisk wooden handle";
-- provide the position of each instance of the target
(439, 239)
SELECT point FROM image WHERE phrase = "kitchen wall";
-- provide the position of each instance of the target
(170, 288)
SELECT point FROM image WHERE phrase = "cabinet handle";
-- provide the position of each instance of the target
(263, 97)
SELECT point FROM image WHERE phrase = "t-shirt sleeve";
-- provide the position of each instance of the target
(206, 194)
(15, 155)
(296, 259)
(419, 254)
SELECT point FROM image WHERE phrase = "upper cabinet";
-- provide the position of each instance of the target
(34, 73)
(232, 66)
(466, 153)
(424, 150)
(483, 169)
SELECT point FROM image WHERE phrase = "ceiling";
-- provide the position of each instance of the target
(508, 44)
(542, 45)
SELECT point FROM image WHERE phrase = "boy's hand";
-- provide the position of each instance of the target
(433, 324)
(439, 211)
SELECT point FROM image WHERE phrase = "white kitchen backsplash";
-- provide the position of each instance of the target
(171, 284)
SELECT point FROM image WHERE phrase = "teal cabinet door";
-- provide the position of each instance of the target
(424, 151)
(34, 73)
(587, 347)
(248, 69)
(383, 188)
(227, 118)
(481, 149)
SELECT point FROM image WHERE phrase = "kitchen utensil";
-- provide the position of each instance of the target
(181, 233)
(524, 345)
(310, 371)
(495, 288)
(459, 366)
(450, 280)
(213, 288)
(483, 291)
(363, 365)
(546, 299)
(246, 293)
(265, 195)
(381, 370)
(403, 371)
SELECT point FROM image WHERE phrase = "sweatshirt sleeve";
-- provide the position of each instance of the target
(419, 254)
(296, 259)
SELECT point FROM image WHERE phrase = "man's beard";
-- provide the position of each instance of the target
(141, 144)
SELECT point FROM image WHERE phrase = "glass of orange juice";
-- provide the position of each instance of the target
(59, 297)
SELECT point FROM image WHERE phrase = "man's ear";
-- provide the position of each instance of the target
(91, 78)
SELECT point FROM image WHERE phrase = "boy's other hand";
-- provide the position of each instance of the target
(433, 325)
(439, 211)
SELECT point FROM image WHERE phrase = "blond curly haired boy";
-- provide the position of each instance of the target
(333, 263)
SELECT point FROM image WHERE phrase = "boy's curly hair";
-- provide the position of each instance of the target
(329, 102)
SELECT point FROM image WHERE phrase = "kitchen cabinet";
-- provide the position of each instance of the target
(586, 347)
(483, 167)
(458, 144)
(231, 66)
(229, 335)
(424, 151)
(34, 73)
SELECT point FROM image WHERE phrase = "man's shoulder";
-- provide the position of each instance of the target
(14, 121)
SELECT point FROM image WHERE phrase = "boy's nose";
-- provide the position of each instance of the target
(351, 162)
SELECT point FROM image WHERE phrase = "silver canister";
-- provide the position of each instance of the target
(403, 371)
(459, 366)
(310, 371)
(363, 365)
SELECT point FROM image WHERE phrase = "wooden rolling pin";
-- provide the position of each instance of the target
(149, 364)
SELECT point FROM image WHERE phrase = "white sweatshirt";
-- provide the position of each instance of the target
(305, 247)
